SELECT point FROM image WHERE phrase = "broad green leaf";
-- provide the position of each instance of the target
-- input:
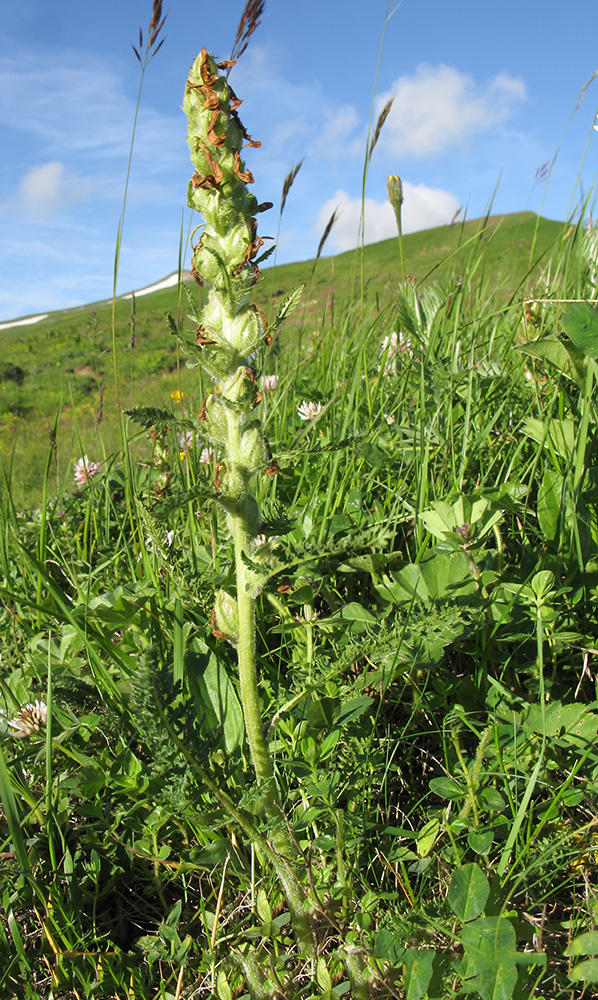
(448, 574)
(174, 916)
(352, 710)
(323, 976)
(565, 357)
(542, 583)
(585, 972)
(446, 788)
(419, 966)
(560, 435)
(388, 947)
(221, 702)
(480, 841)
(549, 504)
(356, 613)
(408, 585)
(581, 323)
(468, 892)
(492, 799)
(223, 990)
(263, 907)
(489, 961)
(131, 765)
(441, 520)
(584, 944)
(426, 837)
(329, 744)
(575, 722)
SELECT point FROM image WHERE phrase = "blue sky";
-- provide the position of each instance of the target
(485, 94)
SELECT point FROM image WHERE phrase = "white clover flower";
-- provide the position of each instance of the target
(270, 382)
(185, 440)
(390, 344)
(390, 420)
(396, 343)
(309, 410)
(29, 720)
(260, 540)
(167, 541)
(207, 456)
(84, 470)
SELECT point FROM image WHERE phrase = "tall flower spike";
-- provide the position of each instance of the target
(231, 329)
(229, 333)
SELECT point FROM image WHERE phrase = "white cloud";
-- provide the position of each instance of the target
(47, 190)
(423, 208)
(439, 107)
(335, 139)
(82, 109)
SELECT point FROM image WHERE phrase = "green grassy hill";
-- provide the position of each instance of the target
(510, 245)
(65, 361)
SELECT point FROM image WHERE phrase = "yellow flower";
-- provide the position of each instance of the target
(176, 395)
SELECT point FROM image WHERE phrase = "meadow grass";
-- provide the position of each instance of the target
(64, 363)
(425, 640)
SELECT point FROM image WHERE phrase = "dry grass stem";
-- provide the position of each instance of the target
(288, 183)
(327, 231)
(250, 19)
(154, 28)
(381, 119)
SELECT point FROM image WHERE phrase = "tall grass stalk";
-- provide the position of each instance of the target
(369, 146)
(143, 55)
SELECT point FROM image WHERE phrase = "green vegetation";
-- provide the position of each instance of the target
(64, 363)
(319, 724)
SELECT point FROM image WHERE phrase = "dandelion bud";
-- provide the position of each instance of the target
(394, 187)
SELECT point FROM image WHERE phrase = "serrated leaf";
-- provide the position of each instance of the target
(152, 416)
(291, 302)
(197, 494)
(267, 253)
